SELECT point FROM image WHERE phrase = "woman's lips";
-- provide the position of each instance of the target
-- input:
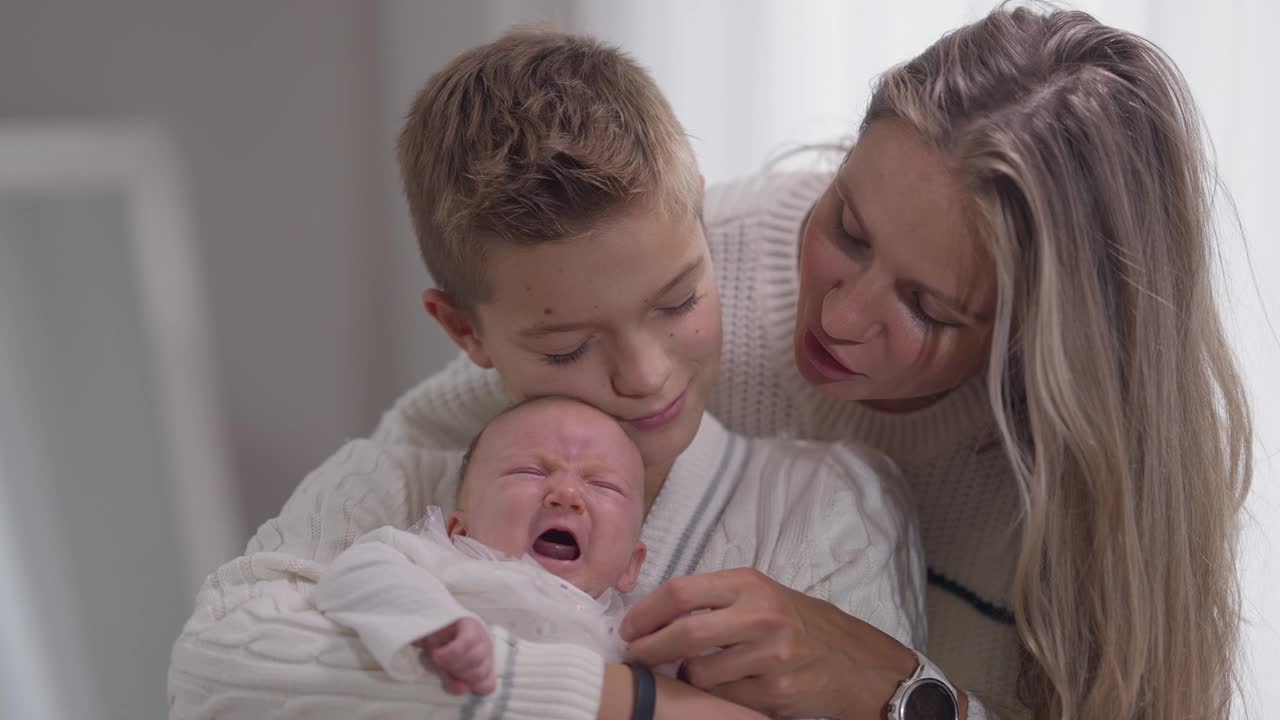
(823, 361)
(663, 416)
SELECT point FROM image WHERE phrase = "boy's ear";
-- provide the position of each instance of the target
(455, 526)
(457, 324)
(628, 581)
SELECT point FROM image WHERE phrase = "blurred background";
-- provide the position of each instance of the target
(208, 281)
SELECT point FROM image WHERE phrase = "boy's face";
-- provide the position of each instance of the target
(625, 318)
(560, 481)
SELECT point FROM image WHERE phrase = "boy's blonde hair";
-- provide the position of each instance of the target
(533, 138)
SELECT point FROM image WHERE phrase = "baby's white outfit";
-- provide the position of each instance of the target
(392, 587)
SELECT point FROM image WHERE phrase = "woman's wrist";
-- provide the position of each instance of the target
(885, 664)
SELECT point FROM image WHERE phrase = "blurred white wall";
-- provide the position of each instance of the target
(284, 117)
(269, 107)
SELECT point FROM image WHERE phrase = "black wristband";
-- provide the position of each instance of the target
(646, 696)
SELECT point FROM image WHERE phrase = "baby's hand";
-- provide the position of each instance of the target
(462, 653)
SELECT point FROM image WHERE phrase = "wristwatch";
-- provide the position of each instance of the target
(925, 695)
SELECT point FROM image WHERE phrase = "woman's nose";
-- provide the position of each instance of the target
(852, 311)
(641, 368)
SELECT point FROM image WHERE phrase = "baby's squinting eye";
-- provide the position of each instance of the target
(605, 486)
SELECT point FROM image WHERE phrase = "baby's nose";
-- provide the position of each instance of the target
(563, 497)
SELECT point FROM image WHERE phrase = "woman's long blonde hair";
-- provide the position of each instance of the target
(1118, 400)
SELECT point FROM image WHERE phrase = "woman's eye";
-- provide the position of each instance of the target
(566, 358)
(916, 306)
(689, 304)
(852, 244)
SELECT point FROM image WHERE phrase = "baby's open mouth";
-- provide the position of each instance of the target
(558, 545)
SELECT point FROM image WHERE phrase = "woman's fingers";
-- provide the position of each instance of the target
(708, 672)
(693, 635)
(676, 597)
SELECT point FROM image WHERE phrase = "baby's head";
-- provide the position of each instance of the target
(559, 480)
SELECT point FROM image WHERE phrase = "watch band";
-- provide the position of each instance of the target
(925, 695)
(646, 696)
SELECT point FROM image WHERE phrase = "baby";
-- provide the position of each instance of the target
(545, 538)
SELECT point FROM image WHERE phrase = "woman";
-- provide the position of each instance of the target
(1007, 288)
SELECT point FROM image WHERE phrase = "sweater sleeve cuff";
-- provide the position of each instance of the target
(542, 680)
(978, 711)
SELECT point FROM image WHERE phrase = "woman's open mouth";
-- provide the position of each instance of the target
(823, 361)
(557, 544)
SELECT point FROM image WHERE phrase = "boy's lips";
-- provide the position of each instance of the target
(663, 416)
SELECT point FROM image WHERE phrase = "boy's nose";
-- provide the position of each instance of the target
(641, 370)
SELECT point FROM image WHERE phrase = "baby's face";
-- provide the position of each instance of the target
(559, 480)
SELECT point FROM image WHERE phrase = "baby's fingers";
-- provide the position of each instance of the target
(454, 686)
(462, 658)
(485, 681)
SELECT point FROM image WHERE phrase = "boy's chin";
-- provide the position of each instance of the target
(661, 447)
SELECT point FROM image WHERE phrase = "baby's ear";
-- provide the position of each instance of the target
(457, 324)
(631, 576)
(455, 525)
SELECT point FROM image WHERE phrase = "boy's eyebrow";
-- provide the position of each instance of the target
(541, 329)
(680, 277)
(534, 331)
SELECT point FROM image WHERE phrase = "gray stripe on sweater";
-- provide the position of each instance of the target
(736, 474)
(504, 691)
(686, 536)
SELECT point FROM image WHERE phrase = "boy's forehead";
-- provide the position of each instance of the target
(617, 265)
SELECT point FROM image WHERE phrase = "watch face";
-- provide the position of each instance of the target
(929, 699)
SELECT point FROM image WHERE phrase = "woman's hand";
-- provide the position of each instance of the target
(776, 650)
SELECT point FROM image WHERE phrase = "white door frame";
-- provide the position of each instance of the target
(139, 161)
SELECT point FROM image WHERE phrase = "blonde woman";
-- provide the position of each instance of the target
(1007, 287)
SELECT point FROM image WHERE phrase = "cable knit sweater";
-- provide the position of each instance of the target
(956, 471)
(828, 520)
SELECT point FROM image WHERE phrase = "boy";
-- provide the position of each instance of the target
(557, 206)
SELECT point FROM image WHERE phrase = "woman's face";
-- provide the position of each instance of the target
(896, 292)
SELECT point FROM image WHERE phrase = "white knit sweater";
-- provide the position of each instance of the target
(827, 520)
(956, 471)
